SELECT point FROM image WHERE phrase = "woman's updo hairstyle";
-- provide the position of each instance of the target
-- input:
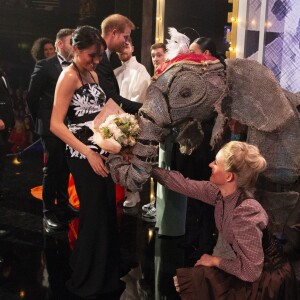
(86, 36)
(245, 161)
(206, 43)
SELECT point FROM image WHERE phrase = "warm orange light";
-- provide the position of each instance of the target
(152, 192)
(269, 24)
(150, 234)
(16, 161)
(22, 293)
(160, 12)
(232, 18)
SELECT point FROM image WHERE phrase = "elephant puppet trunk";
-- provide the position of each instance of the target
(153, 117)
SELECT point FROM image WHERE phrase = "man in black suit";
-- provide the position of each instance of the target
(40, 101)
(116, 30)
(6, 123)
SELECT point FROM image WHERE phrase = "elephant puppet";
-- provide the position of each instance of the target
(192, 88)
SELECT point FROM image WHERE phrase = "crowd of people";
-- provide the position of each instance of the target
(71, 82)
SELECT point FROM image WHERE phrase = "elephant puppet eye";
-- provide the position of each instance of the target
(185, 93)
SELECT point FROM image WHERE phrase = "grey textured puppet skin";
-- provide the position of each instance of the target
(188, 92)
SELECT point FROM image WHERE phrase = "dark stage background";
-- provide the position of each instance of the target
(23, 21)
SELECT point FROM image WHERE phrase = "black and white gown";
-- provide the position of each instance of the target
(94, 261)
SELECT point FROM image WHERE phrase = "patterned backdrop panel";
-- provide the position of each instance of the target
(282, 39)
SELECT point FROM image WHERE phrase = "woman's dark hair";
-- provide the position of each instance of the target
(86, 36)
(206, 43)
(37, 49)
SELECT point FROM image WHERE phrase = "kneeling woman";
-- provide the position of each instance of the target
(246, 262)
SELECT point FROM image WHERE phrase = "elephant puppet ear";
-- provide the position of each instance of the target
(255, 98)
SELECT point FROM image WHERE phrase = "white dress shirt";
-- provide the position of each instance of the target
(133, 80)
(108, 53)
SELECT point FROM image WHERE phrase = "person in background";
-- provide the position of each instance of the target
(56, 208)
(133, 80)
(42, 48)
(157, 52)
(205, 45)
(78, 95)
(116, 30)
(132, 76)
(246, 262)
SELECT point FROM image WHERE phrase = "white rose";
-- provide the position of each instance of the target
(110, 145)
(112, 127)
(97, 137)
(117, 133)
(110, 119)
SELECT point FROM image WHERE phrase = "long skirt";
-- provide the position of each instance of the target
(95, 258)
(207, 283)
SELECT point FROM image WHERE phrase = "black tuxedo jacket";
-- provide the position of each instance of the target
(41, 93)
(109, 84)
(6, 109)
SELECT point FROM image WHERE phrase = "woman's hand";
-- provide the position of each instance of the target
(176, 284)
(97, 163)
(208, 261)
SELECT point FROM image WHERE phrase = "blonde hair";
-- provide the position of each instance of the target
(115, 21)
(245, 161)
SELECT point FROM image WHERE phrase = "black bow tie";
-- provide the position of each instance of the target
(65, 63)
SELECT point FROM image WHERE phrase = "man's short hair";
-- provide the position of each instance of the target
(63, 33)
(115, 21)
(157, 46)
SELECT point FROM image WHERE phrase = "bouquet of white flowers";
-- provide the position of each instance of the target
(117, 131)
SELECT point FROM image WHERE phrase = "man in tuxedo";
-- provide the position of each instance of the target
(6, 123)
(116, 30)
(56, 208)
